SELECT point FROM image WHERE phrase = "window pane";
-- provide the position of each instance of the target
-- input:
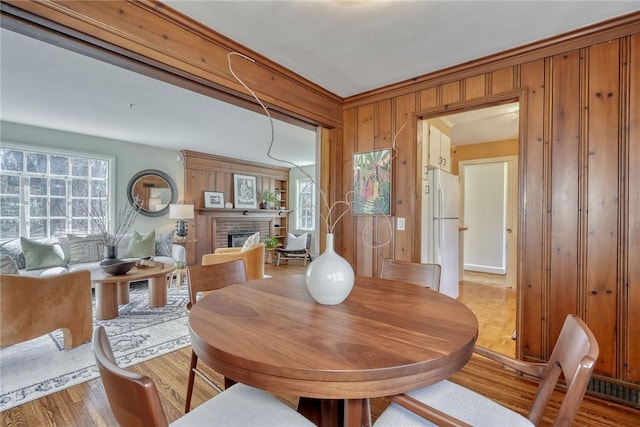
(38, 228)
(58, 227)
(80, 208)
(98, 188)
(36, 163)
(11, 160)
(57, 207)
(9, 228)
(80, 167)
(9, 206)
(57, 187)
(99, 207)
(38, 186)
(38, 207)
(80, 188)
(99, 168)
(80, 226)
(59, 165)
(305, 213)
(9, 184)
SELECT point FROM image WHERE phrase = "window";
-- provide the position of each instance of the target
(305, 214)
(45, 193)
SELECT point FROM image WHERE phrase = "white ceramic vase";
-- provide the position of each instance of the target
(329, 277)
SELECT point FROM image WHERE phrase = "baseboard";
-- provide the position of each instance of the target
(485, 269)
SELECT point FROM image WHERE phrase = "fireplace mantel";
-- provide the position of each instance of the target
(243, 213)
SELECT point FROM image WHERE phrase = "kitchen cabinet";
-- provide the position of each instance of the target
(437, 148)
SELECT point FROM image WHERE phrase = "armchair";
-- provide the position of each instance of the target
(253, 259)
(296, 247)
(34, 306)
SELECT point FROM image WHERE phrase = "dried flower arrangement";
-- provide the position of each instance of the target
(111, 231)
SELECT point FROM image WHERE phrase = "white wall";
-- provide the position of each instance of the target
(485, 217)
(130, 159)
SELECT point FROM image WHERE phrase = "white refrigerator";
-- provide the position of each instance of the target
(440, 227)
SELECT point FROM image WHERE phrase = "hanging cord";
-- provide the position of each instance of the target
(328, 220)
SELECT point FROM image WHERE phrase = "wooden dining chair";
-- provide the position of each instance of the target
(426, 275)
(204, 279)
(135, 402)
(448, 404)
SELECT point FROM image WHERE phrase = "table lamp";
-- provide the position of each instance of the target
(181, 213)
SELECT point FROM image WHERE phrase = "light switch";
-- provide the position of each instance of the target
(400, 224)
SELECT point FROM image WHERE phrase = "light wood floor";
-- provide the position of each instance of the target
(86, 404)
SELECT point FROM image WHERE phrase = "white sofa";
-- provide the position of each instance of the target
(90, 253)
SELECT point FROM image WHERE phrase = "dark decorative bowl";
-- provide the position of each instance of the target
(116, 267)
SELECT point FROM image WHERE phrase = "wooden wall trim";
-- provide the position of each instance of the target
(212, 162)
(150, 32)
(597, 33)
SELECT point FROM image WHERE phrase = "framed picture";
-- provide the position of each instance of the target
(244, 192)
(372, 183)
(213, 199)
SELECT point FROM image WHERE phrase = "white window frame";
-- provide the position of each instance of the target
(25, 197)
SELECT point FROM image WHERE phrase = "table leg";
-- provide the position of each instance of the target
(158, 291)
(357, 413)
(323, 412)
(106, 301)
(123, 293)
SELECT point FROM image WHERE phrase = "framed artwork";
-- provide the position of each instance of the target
(244, 192)
(372, 183)
(213, 199)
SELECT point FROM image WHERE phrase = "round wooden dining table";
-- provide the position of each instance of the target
(386, 338)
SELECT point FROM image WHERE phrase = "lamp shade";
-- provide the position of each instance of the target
(181, 211)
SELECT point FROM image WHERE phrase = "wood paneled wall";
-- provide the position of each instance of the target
(579, 213)
(206, 172)
(579, 216)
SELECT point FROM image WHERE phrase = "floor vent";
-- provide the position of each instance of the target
(626, 394)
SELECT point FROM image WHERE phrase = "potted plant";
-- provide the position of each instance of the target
(268, 197)
(270, 244)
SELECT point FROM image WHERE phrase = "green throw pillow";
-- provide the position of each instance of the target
(42, 255)
(142, 246)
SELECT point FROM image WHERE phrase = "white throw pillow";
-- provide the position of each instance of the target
(296, 243)
(7, 265)
(252, 241)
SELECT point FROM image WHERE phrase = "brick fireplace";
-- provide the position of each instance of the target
(227, 226)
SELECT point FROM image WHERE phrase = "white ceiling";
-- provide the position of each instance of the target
(344, 46)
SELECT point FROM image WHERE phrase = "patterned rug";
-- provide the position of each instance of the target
(41, 366)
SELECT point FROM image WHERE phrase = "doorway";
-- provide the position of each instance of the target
(484, 140)
(489, 209)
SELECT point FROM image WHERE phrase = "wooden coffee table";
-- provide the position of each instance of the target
(112, 291)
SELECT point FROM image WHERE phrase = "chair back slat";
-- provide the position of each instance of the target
(574, 355)
(133, 398)
(206, 278)
(425, 275)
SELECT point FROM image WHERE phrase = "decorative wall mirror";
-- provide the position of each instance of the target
(152, 190)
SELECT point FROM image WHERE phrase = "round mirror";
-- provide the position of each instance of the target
(152, 190)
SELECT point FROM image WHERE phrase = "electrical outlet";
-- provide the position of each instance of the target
(400, 224)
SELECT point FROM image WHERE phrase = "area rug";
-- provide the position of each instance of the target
(41, 366)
